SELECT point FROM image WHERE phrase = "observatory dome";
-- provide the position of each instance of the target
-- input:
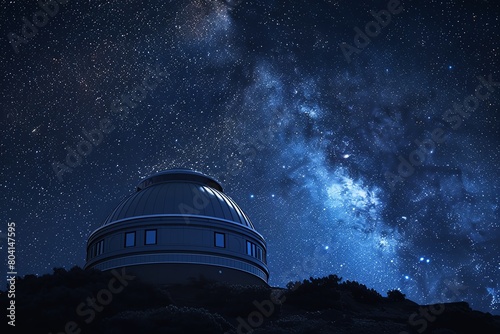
(179, 225)
(177, 192)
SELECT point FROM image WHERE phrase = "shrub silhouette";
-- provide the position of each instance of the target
(361, 293)
(325, 292)
(315, 293)
(395, 295)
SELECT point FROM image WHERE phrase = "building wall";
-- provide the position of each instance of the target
(195, 238)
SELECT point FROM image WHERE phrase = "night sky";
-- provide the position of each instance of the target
(377, 159)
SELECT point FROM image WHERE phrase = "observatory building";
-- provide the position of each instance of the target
(179, 225)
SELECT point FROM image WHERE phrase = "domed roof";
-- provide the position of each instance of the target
(180, 192)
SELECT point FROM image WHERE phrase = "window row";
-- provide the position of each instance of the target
(97, 249)
(255, 251)
(149, 238)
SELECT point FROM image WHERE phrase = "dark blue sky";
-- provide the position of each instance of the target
(376, 159)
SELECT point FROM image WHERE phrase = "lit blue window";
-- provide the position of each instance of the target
(251, 249)
(130, 239)
(220, 240)
(150, 237)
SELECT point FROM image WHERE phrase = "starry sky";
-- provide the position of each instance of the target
(361, 146)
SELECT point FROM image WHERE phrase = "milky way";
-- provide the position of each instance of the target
(308, 140)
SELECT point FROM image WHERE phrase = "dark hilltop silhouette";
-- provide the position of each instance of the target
(91, 301)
